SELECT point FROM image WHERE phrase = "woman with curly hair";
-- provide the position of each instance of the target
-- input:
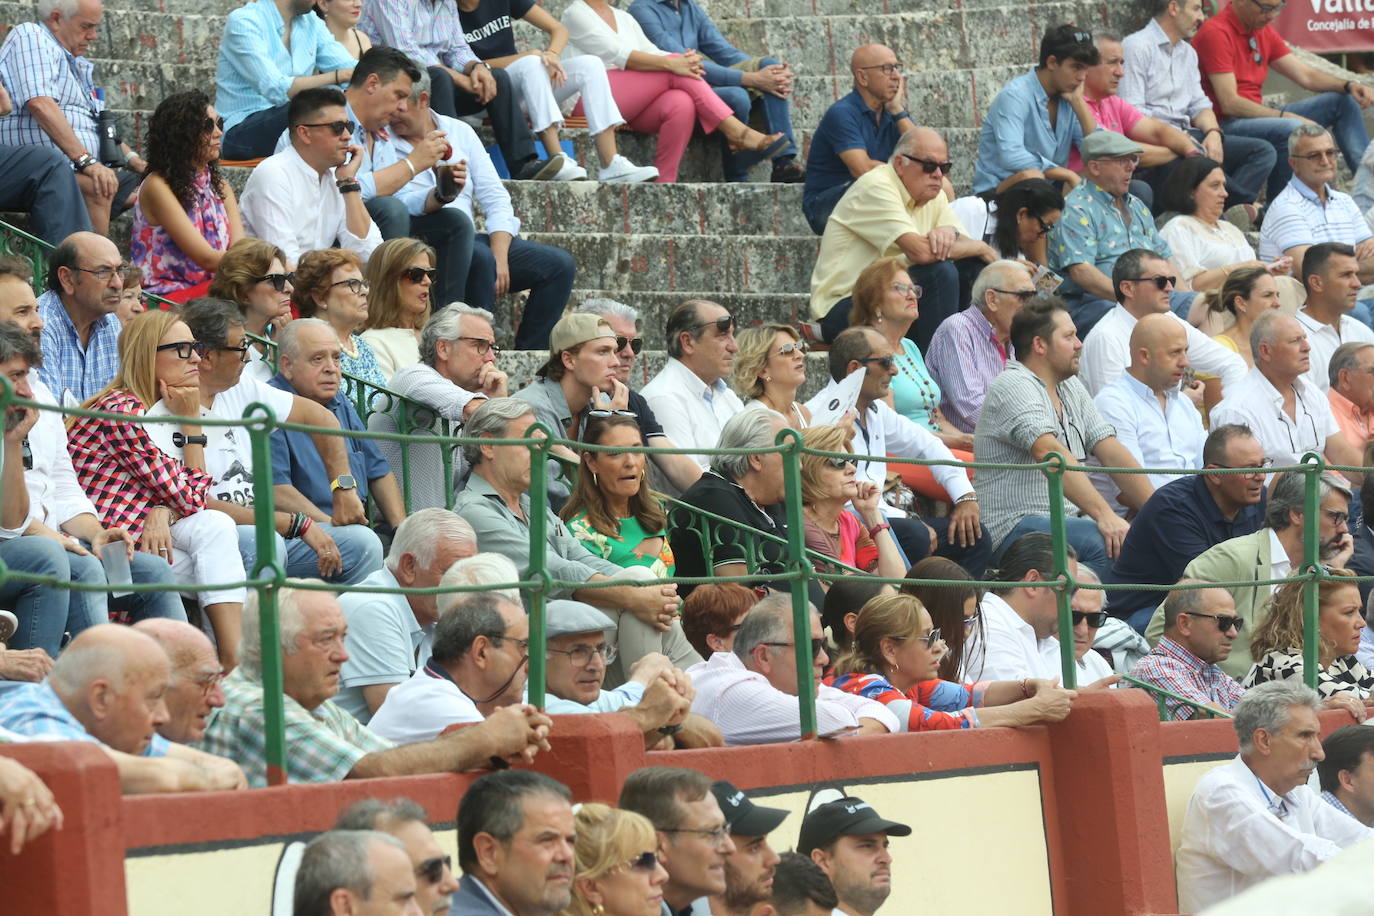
(1276, 645)
(329, 285)
(400, 274)
(186, 216)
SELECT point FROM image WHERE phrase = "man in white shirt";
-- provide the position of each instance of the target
(690, 395)
(849, 841)
(389, 636)
(1331, 276)
(1255, 817)
(1088, 607)
(308, 196)
(1286, 412)
(1142, 280)
(502, 262)
(751, 694)
(1347, 772)
(1146, 405)
(476, 666)
(961, 536)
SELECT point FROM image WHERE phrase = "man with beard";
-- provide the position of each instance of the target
(749, 869)
(515, 866)
(1273, 552)
(849, 841)
(1255, 817)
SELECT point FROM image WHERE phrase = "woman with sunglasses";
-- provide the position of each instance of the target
(618, 872)
(186, 215)
(253, 274)
(954, 609)
(616, 516)
(329, 285)
(400, 275)
(155, 497)
(770, 368)
(894, 660)
(1025, 214)
(861, 538)
(1276, 645)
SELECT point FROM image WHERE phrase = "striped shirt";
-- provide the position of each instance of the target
(36, 712)
(1298, 217)
(73, 372)
(1179, 671)
(1016, 413)
(428, 31)
(256, 68)
(964, 356)
(1162, 77)
(34, 65)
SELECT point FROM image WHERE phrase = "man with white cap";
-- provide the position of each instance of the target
(848, 840)
(749, 867)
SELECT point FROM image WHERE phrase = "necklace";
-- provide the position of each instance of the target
(929, 395)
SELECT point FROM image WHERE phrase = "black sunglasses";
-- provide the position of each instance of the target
(884, 362)
(636, 344)
(1224, 622)
(340, 128)
(930, 166)
(212, 123)
(1160, 282)
(645, 861)
(1025, 295)
(723, 325)
(278, 281)
(817, 646)
(838, 463)
(184, 348)
(416, 274)
(1095, 619)
(432, 870)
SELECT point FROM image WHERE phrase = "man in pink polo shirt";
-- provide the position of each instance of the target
(1162, 145)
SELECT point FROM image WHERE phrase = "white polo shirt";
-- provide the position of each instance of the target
(420, 708)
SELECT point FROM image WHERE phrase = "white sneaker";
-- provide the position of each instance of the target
(625, 171)
(570, 171)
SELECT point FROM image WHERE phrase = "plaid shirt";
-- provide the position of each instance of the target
(323, 744)
(964, 357)
(68, 368)
(36, 712)
(1174, 668)
(33, 64)
(125, 474)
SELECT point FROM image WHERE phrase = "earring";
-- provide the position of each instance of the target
(594, 483)
(598, 910)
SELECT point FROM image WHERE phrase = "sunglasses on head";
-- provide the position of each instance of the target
(416, 274)
(339, 128)
(1224, 622)
(930, 166)
(723, 325)
(278, 281)
(636, 344)
(432, 870)
(1095, 619)
(212, 123)
(184, 348)
(838, 463)
(1162, 283)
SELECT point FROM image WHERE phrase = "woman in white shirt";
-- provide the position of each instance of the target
(657, 92)
(400, 274)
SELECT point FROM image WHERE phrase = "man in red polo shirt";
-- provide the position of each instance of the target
(1235, 50)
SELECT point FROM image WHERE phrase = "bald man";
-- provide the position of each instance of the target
(109, 688)
(194, 690)
(80, 327)
(1154, 418)
(857, 133)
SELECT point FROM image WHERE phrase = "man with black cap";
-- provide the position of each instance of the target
(848, 840)
(749, 869)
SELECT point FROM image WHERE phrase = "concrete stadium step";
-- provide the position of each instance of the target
(669, 263)
(677, 209)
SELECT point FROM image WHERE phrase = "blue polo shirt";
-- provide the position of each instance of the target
(297, 462)
(848, 124)
(1179, 522)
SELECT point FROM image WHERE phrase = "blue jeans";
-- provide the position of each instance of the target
(359, 548)
(145, 569)
(256, 135)
(1087, 310)
(818, 207)
(546, 271)
(448, 230)
(42, 611)
(39, 180)
(1082, 533)
(1246, 161)
(913, 536)
(777, 118)
(1335, 111)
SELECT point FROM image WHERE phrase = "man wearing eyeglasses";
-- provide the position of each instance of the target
(1255, 818)
(1235, 50)
(80, 327)
(408, 822)
(477, 665)
(1201, 626)
(194, 691)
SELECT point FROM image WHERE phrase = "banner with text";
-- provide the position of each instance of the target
(1328, 25)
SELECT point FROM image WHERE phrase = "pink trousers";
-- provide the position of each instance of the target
(667, 105)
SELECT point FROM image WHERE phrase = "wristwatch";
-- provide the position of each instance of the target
(181, 440)
(343, 482)
(83, 162)
(670, 729)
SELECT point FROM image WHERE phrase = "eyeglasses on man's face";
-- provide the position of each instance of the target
(482, 345)
(725, 324)
(1224, 621)
(930, 166)
(1096, 619)
(338, 128)
(817, 646)
(106, 274)
(432, 870)
(1319, 154)
(581, 655)
(888, 69)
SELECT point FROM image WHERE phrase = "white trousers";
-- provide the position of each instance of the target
(205, 551)
(586, 75)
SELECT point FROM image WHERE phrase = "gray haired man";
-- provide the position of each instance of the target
(1256, 818)
(406, 821)
(344, 872)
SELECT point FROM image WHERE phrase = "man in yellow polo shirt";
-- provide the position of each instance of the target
(895, 210)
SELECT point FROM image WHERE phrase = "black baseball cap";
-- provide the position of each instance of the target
(742, 816)
(844, 817)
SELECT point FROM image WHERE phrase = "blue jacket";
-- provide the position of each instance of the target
(469, 900)
(677, 26)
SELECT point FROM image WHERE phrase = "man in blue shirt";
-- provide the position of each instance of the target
(1029, 129)
(857, 133)
(271, 50)
(1187, 517)
(308, 356)
(741, 81)
(80, 327)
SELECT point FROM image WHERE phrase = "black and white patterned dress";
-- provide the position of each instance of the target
(1344, 675)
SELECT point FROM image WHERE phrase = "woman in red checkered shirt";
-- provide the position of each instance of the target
(158, 493)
